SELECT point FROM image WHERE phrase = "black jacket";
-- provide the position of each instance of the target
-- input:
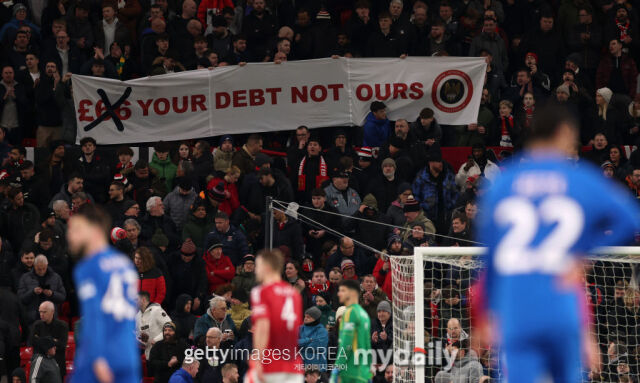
(260, 32)
(289, 235)
(188, 277)
(48, 113)
(161, 354)
(96, 175)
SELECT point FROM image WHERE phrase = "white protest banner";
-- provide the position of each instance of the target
(270, 97)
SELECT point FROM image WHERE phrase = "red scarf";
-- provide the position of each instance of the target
(302, 177)
(504, 130)
(120, 166)
(623, 29)
(316, 289)
(529, 115)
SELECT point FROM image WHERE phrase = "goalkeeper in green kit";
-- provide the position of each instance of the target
(354, 344)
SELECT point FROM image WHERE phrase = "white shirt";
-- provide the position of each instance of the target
(109, 34)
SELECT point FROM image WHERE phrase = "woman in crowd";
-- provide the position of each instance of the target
(151, 279)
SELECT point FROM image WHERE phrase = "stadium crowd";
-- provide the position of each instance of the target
(193, 217)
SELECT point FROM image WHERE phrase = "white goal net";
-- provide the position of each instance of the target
(440, 292)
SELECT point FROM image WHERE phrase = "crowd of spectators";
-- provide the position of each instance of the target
(347, 198)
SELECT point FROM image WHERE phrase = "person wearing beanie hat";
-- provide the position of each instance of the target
(43, 364)
(376, 126)
(188, 248)
(171, 345)
(178, 202)
(370, 202)
(198, 224)
(20, 14)
(395, 211)
(382, 327)
(605, 93)
(19, 374)
(385, 183)
(162, 166)
(246, 277)
(220, 269)
(313, 339)
(371, 231)
(160, 240)
(415, 216)
(223, 154)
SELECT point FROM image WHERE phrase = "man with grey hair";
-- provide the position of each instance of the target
(38, 285)
(155, 220)
(189, 370)
(210, 370)
(62, 210)
(58, 330)
(216, 316)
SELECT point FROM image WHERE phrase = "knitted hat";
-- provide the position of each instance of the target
(323, 15)
(184, 183)
(346, 263)
(19, 7)
(217, 192)
(313, 312)
(159, 239)
(365, 153)
(606, 93)
(563, 89)
(127, 204)
(384, 306)
(121, 178)
(393, 239)
(226, 137)
(340, 312)
(214, 245)
(262, 159)
(188, 247)
(248, 257)
(388, 161)
(169, 325)
(117, 234)
(403, 187)
(607, 164)
(575, 58)
(411, 205)
(535, 56)
(370, 201)
(198, 202)
(219, 21)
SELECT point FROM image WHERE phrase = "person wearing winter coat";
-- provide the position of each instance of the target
(370, 228)
(382, 327)
(436, 191)
(178, 203)
(229, 184)
(245, 278)
(395, 211)
(377, 126)
(151, 279)
(466, 367)
(416, 217)
(186, 374)
(162, 166)
(223, 154)
(316, 235)
(382, 274)
(189, 275)
(150, 321)
(43, 364)
(19, 219)
(234, 243)
(216, 316)
(167, 354)
(183, 318)
(202, 163)
(220, 270)
(198, 224)
(477, 165)
(288, 234)
(385, 184)
(313, 339)
(371, 295)
(39, 285)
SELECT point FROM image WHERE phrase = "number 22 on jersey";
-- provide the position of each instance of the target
(516, 253)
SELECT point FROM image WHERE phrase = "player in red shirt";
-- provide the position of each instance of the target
(276, 317)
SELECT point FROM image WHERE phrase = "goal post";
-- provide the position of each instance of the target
(425, 298)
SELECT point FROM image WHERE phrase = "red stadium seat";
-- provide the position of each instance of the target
(26, 353)
(70, 352)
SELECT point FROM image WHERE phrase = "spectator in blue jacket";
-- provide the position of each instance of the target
(234, 243)
(188, 371)
(376, 126)
(313, 340)
(435, 189)
(19, 19)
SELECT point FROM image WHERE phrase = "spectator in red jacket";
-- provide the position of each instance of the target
(220, 270)
(151, 278)
(382, 274)
(231, 200)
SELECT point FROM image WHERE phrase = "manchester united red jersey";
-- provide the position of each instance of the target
(281, 304)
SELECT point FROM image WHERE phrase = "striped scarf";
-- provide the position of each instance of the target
(302, 178)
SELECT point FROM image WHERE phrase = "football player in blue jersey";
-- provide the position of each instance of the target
(539, 217)
(107, 288)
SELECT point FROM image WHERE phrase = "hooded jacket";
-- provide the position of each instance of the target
(153, 282)
(164, 169)
(177, 206)
(234, 243)
(151, 322)
(376, 132)
(184, 320)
